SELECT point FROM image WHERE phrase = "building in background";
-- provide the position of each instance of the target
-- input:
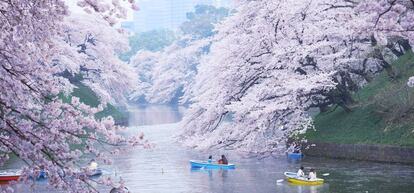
(157, 14)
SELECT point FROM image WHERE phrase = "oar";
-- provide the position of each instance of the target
(279, 181)
(325, 174)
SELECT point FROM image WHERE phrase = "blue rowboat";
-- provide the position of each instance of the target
(207, 165)
(295, 156)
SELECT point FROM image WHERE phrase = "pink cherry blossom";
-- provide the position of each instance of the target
(38, 45)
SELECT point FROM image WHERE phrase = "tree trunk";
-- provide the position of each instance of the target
(405, 44)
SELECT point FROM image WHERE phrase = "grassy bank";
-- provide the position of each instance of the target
(87, 96)
(384, 113)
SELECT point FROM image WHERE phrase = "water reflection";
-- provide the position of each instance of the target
(154, 114)
(217, 172)
(291, 188)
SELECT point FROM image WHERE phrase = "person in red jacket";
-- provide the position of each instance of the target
(223, 160)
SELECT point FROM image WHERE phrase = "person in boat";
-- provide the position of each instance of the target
(296, 148)
(210, 159)
(93, 165)
(223, 160)
(42, 172)
(291, 148)
(312, 174)
(300, 172)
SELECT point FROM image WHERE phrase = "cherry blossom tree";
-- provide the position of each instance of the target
(143, 63)
(274, 60)
(388, 17)
(391, 20)
(35, 125)
(167, 76)
(96, 45)
(269, 64)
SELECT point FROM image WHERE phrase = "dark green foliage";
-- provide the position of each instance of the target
(87, 96)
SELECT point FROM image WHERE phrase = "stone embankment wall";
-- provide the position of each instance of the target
(379, 153)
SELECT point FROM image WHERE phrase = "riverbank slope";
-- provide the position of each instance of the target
(87, 96)
(383, 116)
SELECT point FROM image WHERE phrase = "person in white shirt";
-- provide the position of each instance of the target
(300, 172)
(291, 148)
(312, 174)
(93, 165)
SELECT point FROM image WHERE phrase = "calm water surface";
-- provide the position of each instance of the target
(165, 167)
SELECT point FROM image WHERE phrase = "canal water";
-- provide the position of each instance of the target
(164, 168)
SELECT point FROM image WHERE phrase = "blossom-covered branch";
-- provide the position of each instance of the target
(35, 124)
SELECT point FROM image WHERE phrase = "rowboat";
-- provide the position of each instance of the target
(294, 179)
(9, 175)
(95, 173)
(207, 165)
(295, 156)
(90, 173)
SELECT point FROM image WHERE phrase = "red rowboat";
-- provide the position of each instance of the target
(9, 175)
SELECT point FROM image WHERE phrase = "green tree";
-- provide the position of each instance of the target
(154, 40)
(200, 23)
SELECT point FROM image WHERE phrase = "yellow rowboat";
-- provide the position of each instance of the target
(294, 179)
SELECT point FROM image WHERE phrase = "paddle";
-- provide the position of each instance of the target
(325, 174)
